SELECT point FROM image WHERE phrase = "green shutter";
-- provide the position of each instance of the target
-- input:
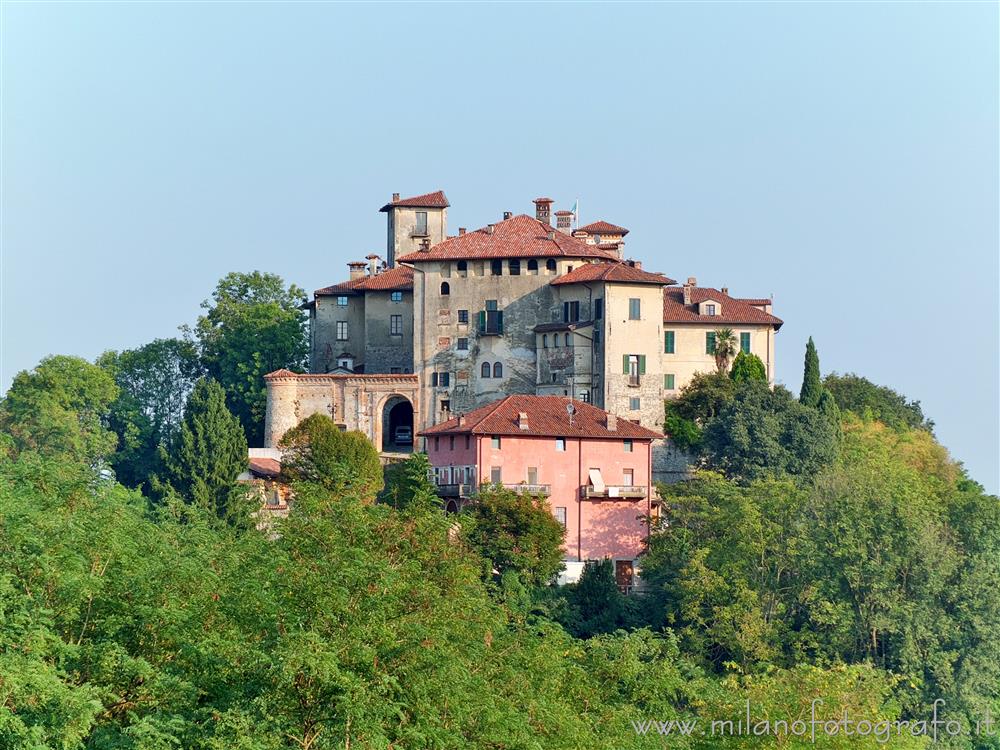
(668, 382)
(500, 321)
(642, 364)
(481, 320)
(745, 342)
(625, 364)
(710, 343)
(668, 342)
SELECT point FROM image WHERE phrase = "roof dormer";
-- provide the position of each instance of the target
(710, 307)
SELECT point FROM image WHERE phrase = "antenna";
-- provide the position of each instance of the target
(571, 410)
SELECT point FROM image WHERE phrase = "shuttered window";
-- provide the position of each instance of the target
(745, 342)
(710, 342)
(668, 382)
(668, 342)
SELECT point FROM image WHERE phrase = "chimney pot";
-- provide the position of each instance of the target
(425, 245)
(612, 423)
(522, 421)
(725, 290)
(507, 215)
(564, 221)
(551, 235)
(489, 229)
(357, 269)
(395, 197)
(461, 231)
(461, 420)
(692, 281)
(543, 210)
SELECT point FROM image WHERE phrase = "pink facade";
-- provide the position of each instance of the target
(601, 487)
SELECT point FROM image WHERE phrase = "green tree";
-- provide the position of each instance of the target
(208, 451)
(725, 348)
(154, 382)
(60, 408)
(811, 385)
(514, 531)
(253, 326)
(685, 434)
(748, 367)
(316, 450)
(765, 432)
(703, 397)
(870, 401)
(408, 483)
(831, 412)
(596, 604)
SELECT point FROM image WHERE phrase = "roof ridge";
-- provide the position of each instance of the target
(493, 411)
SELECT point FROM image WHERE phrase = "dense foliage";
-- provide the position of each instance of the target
(870, 401)
(748, 367)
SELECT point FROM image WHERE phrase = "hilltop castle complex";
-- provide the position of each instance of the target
(527, 305)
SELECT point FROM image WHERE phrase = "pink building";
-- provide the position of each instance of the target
(593, 468)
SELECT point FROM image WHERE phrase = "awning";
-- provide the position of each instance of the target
(596, 480)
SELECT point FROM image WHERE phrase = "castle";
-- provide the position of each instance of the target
(446, 324)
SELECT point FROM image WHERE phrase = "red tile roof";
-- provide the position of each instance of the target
(755, 300)
(436, 199)
(733, 310)
(395, 279)
(547, 417)
(264, 467)
(620, 272)
(517, 237)
(603, 227)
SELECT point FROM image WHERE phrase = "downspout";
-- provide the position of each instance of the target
(579, 500)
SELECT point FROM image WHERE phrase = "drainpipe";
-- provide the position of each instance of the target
(579, 500)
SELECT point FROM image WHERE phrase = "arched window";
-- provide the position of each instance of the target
(545, 341)
(567, 340)
(445, 288)
(497, 370)
(550, 264)
(532, 266)
(485, 371)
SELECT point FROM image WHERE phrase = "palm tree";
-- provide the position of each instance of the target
(725, 348)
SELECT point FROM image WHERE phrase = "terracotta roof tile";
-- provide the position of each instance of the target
(547, 417)
(603, 227)
(620, 272)
(436, 199)
(517, 237)
(395, 279)
(733, 310)
(264, 467)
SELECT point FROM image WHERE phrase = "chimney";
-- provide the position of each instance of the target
(691, 282)
(395, 197)
(461, 231)
(507, 215)
(461, 420)
(564, 221)
(425, 245)
(725, 290)
(373, 263)
(637, 264)
(550, 236)
(612, 423)
(357, 269)
(543, 210)
(522, 421)
(489, 229)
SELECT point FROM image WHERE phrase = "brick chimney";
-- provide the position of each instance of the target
(612, 423)
(543, 210)
(522, 421)
(358, 268)
(564, 221)
(691, 283)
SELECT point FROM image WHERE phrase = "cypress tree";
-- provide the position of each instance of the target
(209, 450)
(812, 388)
(829, 409)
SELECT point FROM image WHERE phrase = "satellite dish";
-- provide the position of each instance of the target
(570, 409)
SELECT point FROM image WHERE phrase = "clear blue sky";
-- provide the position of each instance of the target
(843, 157)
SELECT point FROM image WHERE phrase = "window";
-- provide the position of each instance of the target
(571, 312)
(567, 340)
(421, 228)
(628, 477)
(550, 264)
(598, 308)
(532, 475)
(451, 442)
(497, 370)
(495, 442)
(463, 345)
(495, 476)
(514, 266)
(491, 319)
(463, 267)
(555, 340)
(668, 342)
(545, 341)
(341, 330)
(396, 296)
(445, 288)
(496, 267)
(634, 403)
(585, 396)
(745, 342)
(440, 379)
(669, 382)
(468, 442)
(634, 309)
(634, 365)
(709, 309)
(396, 325)
(710, 342)
(628, 446)
(437, 443)
(463, 316)
(341, 301)
(533, 266)
(445, 405)
(560, 513)
(485, 370)
(560, 444)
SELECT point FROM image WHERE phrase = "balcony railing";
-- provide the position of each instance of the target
(612, 491)
(455, 490)
(530, 489)
(634, 381)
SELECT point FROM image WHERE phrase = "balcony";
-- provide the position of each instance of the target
(613, 492)
(530, 489)
(634, 381)
(490, 323)
(455, 490)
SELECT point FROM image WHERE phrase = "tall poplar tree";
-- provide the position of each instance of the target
(812, 388)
